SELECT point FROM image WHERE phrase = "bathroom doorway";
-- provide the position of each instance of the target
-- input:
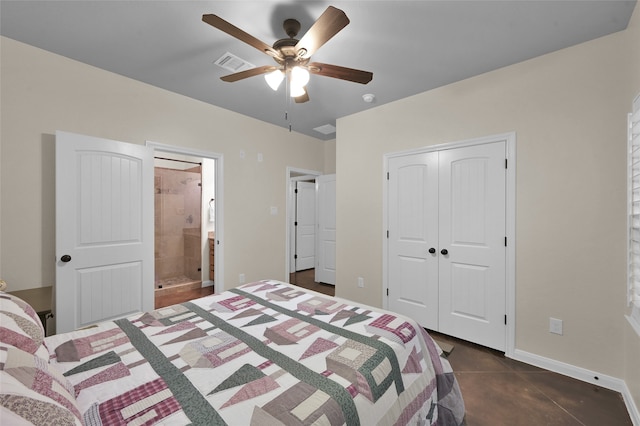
(184, 201)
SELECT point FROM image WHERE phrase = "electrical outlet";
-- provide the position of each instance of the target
(241, 278)
(360, 282)
(555, 326)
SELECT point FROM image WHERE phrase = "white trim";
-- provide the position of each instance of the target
(632, 408)
(573, 371)
(510, 217)
(634, 319)
(219, 205)
(510, 199)
(508, 137)
(584, 375)
(307, 174)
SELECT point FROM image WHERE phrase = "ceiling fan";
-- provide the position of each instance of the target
(293, 56)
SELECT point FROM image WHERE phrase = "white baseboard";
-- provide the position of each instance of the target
(632, 408)
(585, 375)
(207, 283)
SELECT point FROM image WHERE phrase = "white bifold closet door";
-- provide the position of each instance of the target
(447, 254)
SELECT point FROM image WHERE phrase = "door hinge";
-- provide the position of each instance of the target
(295, 190)
(387, 234)
(295, 256)
(506, 161)
(505, 320)
(295, 223)
(505, 241)
(387, 291)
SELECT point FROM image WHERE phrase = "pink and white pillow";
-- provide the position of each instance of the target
(33, 391)
(20, 326)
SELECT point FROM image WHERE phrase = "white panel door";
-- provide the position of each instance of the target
(472, 231)
(305, 225)
(413, 237)
(104, 230)
(326, 207)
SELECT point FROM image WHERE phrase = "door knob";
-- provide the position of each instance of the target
(432, 250)
(444, 252)
(66, 258)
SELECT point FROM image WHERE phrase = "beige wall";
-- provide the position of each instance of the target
(43, 92)
(330, 157)
(568, 110)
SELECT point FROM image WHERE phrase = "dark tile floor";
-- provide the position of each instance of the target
(306, 278)
(168, 298)
(500, 391)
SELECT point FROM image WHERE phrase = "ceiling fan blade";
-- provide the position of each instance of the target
(219, 23)
(302, 98)
(328, 24)
(248, 73)
(342, 73)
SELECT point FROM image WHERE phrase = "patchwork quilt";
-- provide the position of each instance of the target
(266, 353)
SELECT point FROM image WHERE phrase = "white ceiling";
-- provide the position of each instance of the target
(410, 46)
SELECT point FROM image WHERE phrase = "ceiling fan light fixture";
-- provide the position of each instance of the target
(274, 79)
(299, 77)
(296, 91)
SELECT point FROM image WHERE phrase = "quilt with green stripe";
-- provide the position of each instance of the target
(266, 353)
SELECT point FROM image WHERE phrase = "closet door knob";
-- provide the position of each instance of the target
(66, 258)
(432, 250)
(444, 252)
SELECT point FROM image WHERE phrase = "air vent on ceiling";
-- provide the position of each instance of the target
(327, 129)
(231, 62)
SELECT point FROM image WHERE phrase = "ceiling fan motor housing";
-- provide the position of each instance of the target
(291, 27)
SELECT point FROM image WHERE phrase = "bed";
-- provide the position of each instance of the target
(265, 353)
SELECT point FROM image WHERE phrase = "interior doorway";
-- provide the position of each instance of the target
(178, 222)
(321, 188)
(307, 178)
(188, 218)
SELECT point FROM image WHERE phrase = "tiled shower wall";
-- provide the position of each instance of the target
(177, 224)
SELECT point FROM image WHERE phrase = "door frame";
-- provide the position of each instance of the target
(293, 174)
(510, 199)
(219, 210)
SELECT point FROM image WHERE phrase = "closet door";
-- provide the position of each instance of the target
(326, 245)
(413, 237)
(446, 245)
(472, 275)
